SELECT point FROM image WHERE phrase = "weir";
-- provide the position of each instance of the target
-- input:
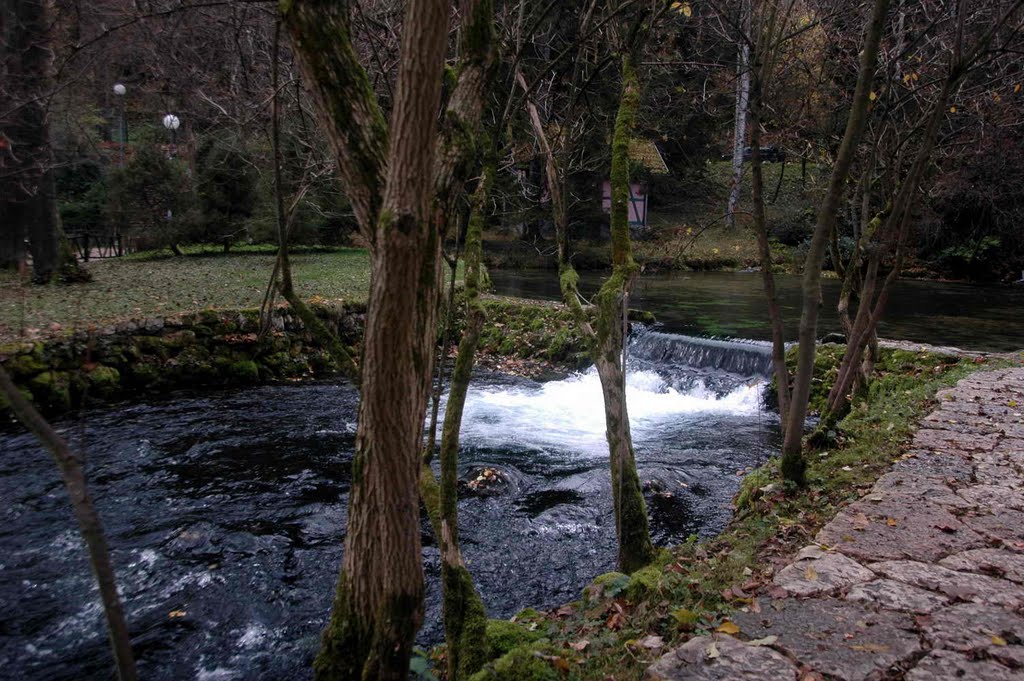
(740, 357)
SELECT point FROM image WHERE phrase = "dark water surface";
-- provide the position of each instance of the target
(226, 510)
(976, 317)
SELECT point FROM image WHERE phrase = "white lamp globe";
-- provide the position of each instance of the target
(120, 89)
(171, 122)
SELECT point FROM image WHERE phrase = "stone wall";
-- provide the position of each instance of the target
(223, 348)
(207, 348)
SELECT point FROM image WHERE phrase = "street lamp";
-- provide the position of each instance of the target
(172, 123)
(120, 90)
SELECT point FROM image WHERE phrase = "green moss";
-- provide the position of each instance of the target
(644, 582)
(103, 382)
(525, 663)
(52, 390)
(25, 365)
(145, 375)
(25, 392)
(503, 636)
(246, 371)
(608, 585)
(151, 345)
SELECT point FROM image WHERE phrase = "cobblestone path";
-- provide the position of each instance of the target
(922, 579)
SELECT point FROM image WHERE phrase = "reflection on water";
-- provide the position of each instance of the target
(226, 512)
(977, 317)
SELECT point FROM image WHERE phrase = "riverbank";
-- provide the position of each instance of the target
(623, 625)
(225, 348)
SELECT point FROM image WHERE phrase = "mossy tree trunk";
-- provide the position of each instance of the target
(465, 619)
(635, 547)
(605, 338)
(460, 147)
(89, 524)
(378, 606)
(793, 462)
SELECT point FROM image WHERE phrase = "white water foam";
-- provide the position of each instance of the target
(569, 414)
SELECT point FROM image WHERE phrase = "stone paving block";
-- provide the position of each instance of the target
(994, 496)
(893, 595)
(961, 423)
(947, 465)
(930, 438)
(959, 585)
(1004, 525)
(993, 562)
(942, 665)
(1000, 475)
(898, 528)
(847, 641)
(816, 571)
(721, 658)
(913, 487)
(1012, 446)
(978, 631)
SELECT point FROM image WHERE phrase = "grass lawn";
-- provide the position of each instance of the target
(149, 284)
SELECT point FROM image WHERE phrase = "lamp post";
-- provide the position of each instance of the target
(120, 90)
(172, 123)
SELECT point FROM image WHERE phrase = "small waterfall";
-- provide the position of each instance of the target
(742, 358)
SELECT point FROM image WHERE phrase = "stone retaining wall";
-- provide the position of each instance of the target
(222, 348)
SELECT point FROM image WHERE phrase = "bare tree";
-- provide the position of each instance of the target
(793, 462)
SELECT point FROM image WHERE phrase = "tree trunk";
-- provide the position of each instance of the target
(28, 189)
(465, 619)
(378, 606)
(740, 123)
(761, 230)
(312, 323)
(631, 524)
(869, 313)
(89, 524)
(793, 463)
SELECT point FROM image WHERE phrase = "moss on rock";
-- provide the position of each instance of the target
(103, 382)
(503, 636)
(246, 371)
(534, 662)
(52, 390)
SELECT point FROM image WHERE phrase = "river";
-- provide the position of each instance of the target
(971, 316)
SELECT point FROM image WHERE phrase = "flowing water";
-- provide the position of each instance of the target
(226, 510)
(971, 316)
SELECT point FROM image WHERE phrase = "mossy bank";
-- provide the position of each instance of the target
(224, 348)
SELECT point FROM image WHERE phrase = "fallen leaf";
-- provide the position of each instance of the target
(615, 622)
(998, 640)
(810, 574)
(579, 646)
(174, 614)
(891, 522)
(766, 641)
(651, 642)
(728, 627)
(712, 651)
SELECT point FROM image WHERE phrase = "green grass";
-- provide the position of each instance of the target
(692, 232)
(149, 284)
(692, 588)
